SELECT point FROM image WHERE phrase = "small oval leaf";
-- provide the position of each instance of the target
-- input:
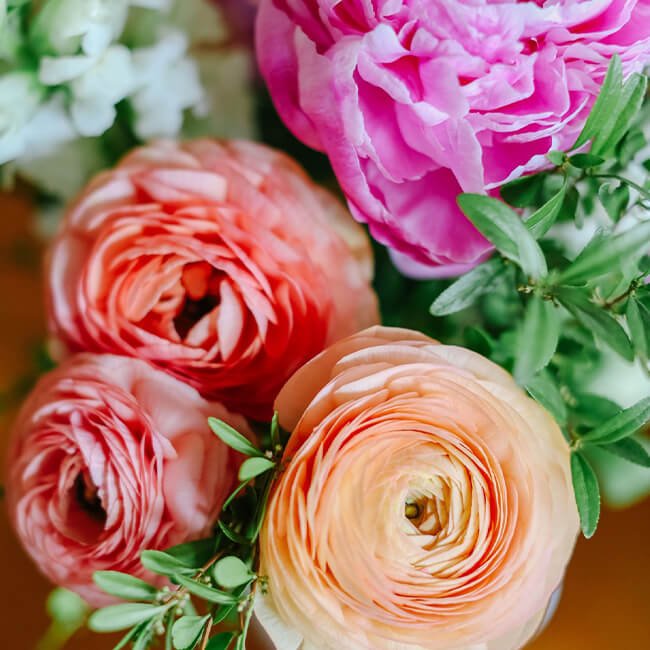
(230, 572)
(121, 617)
(233, 438)
(254, 467)
(187, 630)
(122, 585)
(587, 493)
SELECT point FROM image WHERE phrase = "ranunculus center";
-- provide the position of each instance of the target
(87, 497)
(201, 283)
(426, 507)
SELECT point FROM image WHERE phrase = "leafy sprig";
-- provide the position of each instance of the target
(563, 310)
(213, 581)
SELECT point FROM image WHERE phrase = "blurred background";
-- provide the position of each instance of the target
(606, 602)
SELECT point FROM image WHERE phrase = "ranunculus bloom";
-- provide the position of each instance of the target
(110, 457)
(223, 264)
(426, 502)
(415, 101)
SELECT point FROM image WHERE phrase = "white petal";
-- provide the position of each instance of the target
(57, 70)
(283, 637)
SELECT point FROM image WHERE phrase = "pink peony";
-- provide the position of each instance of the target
(110, 457)
(222, 264)
(415, 101)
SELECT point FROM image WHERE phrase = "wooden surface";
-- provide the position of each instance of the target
(606, 604)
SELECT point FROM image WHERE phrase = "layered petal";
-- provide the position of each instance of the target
(415, 101)
(426, 502)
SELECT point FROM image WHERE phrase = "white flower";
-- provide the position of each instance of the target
(96, 84)
(20, 96)
(65, 26)
(168, 83)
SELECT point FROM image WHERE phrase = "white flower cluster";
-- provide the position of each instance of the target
(71, 69)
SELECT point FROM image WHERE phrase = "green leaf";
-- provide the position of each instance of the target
(223, 613)
(221, 641)
(193, 554)
(468, 289)
(164, 564)
(254, 467)
(586, 160)
(541, 221)
(595, 318)
(538, 339)
(593, 410)
(275, 431)
(187, 631)
(234, 494)
(230, 572)
(606, 102)
(121, 617)
(615, 201)
(622, 425)
(206, 592)
(558, 158)
(605, 255)
(124, 586)
(587, 493)
(503, 227)
(130, 635)
(232, 535)
(544, 390)
(233, 438)
(631, 450)
(143, 638)
(628, 106)
(522, 192)
(638, 322)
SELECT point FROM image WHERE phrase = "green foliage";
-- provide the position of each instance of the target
(538, 339)
(469, 288)
(504, 228)
(547, 314)
(121, 617)
(231, 572)
(216, 576)
(124, 586)
(585, 485)
(187, 631)
(233, 438)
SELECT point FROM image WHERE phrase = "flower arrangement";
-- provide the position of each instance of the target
(257, 417)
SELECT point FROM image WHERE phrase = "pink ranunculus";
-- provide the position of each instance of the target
(416, 101)
(111, 457)
(221, 263)
(425, 504)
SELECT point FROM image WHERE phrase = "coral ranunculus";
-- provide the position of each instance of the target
(110, 457)
(415, 101)
(221, 263)
(426, 502)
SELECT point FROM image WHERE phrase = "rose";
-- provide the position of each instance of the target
(415, 101)
(426, 502)
(110, 457)
(220, 263)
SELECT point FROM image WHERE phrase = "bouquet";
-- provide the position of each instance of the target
(350, 406)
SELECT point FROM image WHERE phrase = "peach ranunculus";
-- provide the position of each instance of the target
(221, 263)
(110, 457)
(426, 503)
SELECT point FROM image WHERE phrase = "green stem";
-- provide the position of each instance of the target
(641, 190)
